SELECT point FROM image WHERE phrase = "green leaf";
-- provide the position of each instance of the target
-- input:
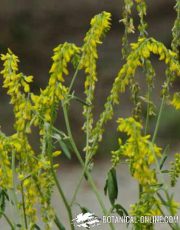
(65, 149)
(111, 186)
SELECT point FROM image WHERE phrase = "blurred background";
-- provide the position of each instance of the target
(31, 29)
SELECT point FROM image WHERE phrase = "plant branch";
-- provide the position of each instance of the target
(90, 179)
(49, 149)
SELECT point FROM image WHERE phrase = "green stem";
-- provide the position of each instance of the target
(58, 223)
(80, 181)
(77, 188)
(49, 151)
(23, 205)
(8, 220)
(171, 226)
(145, 132)
(147, 115)
(158, 120)
(73, 78)
(90, 179)
(63, 198)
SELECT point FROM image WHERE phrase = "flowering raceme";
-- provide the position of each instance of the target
(140, 152)
(18, 88)
(55, 91)
(100, 24)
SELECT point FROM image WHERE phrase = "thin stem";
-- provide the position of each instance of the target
(63, 198)
(158, 120)
(147, 115)
(58, 223)
(77, 188)
(74, 78)
(145, 132)
(23, 205)
(8, 220)
(80, 181)
(164, 215)
(90, 179)
(49, 150)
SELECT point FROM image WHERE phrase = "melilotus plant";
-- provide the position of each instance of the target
(28, 178)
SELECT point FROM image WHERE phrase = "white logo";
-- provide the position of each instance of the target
(86, 220)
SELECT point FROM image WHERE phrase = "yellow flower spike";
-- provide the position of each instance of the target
(15, 83)
(100, 24)
(136, 149)
(55, 91)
